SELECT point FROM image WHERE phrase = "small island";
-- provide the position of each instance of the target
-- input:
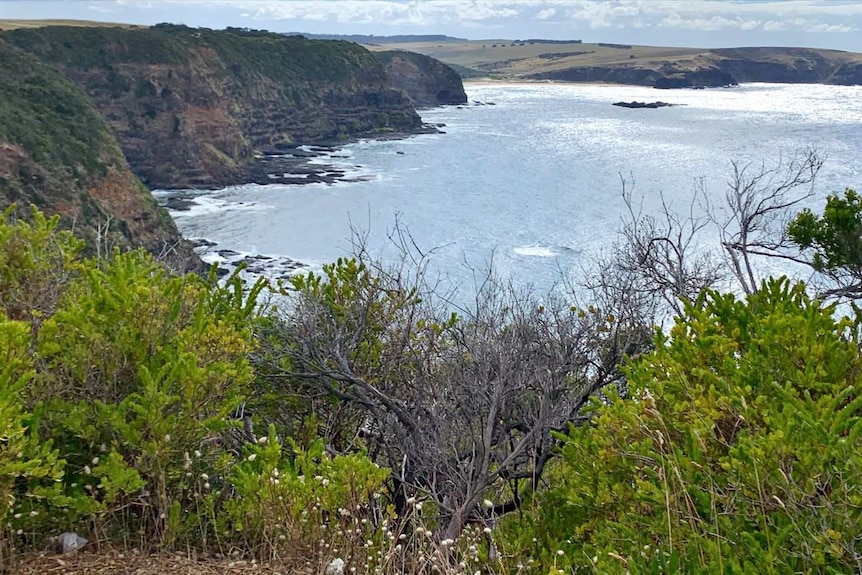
(634, 104)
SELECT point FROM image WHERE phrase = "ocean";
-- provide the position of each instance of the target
(528, 178)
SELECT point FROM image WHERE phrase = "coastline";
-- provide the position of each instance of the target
(289, 165)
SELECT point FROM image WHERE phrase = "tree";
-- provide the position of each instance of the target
(461, 406)
(657, 259)
(666, 258)
(757, 206)
(833, 242)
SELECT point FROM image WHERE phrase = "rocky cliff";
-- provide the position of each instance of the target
(790, 65)
(57, 153)
(425, 81)
(721, 68)
(194, 107)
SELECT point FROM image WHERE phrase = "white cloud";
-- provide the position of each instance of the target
(763, 16)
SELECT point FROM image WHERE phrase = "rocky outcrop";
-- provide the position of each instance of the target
(631, 75)
(638, 105)
(781, 65)
(57, 153)
(425, 81)
(708, 78)
(849, 74)
(195, 107)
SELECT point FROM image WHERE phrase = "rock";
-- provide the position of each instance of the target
(70, 542)
(643, 104)
(696, 79)
(424, 80)
(202, 243)
(335, 567)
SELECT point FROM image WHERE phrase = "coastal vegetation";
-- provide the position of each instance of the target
(357, 420)
(57, 153)
(353, 419)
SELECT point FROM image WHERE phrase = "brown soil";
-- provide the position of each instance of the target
(116, 563)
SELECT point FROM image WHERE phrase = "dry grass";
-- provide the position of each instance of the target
(130, 563)
(518, 60)
(503, 59)
(13, 24)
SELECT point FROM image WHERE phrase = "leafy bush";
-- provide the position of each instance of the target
(36, 263)
(740, 452)
(23, 458)
(144, 367)
(284, 505)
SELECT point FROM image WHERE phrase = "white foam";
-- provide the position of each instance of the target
(535, 251)
(203, 205)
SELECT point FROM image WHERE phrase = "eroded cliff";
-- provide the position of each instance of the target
(425, 81)
(722, 67)
(194, 107)
(57, 153)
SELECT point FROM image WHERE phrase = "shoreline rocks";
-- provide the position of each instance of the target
(637, 105)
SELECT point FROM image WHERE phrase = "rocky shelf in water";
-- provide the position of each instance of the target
(650, 105)
(227, 261)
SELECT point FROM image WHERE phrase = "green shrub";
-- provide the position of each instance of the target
(25, 461)
(36, 263)
(739, 452)
(142, 367)
(284, 505)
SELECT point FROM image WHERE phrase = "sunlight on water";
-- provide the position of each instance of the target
(533, 181)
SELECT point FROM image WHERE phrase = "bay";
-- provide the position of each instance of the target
(529, 176)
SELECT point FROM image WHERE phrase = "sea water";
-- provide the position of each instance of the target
(528, 178)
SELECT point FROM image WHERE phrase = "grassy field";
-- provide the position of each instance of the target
(505, 58)
(14, 24)
(509, 60)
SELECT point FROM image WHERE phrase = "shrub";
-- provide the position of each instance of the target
(740, 450)
(24, 460)
(142, 367)
(284, 505)
(36, 263)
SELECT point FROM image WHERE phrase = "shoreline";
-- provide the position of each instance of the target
(288, 165)
(291, 164)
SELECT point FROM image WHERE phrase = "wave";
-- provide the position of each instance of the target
(536, 251)
(193, 207)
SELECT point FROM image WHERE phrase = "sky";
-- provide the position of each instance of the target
(696, 23)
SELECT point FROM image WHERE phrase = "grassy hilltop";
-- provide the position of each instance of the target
(641, 65)
(57, 153)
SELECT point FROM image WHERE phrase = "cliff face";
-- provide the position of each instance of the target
(56, 152)
(425, 81)
(193, 107)
(724, 67)
(789, 65)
